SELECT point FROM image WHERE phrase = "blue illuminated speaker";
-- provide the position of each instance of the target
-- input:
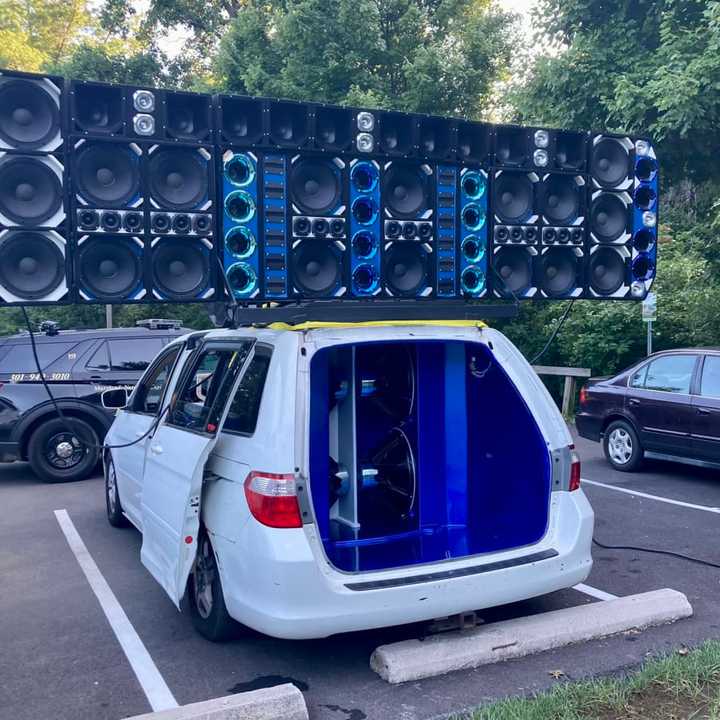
(33, 203)
(622, 228)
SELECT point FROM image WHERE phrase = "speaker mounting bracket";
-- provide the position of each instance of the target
(350, 311)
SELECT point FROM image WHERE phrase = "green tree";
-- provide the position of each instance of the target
(440, 57)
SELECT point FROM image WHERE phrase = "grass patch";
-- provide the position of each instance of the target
(684, 685)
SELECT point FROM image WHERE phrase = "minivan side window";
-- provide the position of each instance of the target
(205, 389)
(151, 388)
(243, 413)
(671, 373)
(710, 383)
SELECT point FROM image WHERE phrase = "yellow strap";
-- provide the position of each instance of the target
(377, 323)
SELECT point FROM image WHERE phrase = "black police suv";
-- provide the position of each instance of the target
(89, 372)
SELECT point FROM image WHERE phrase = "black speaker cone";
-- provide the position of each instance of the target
(644, 240)
(160, 223)
(288, 123)
(133, 221)
(110, 221)
(364, 210)
(473, 280)
(88, 219)
(643, 267)
(240, 170)
(316, 267)
(180, 268)
(301, 226)
(314, 186)
(202, 224)
(393, 229)
(473, 216)
(187, 116)
(240, 242)
(240, 206)
(107, 174)
(405, 190)
(409, 231)
(513, 195)
(405, 269)
(178, 178)
(645, 197)
(181, 224)
(337, 227)
(473, 185)
(32, 264)
(98, 108)
(364, 245)
(608, 217)
(364, 176)
(320, 227)
(609, 162)
(558, 272)
(30, 192)
(645, 168)
(109, 268)
(364, 279)
(559, 198)
(29, 116)
(607, 271)
(425, 231)
(514, 267)
(242, 279)
(332, 127)
(242, 120)
(472, 248)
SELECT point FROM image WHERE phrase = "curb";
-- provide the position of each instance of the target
(441, 654)
(281, 702)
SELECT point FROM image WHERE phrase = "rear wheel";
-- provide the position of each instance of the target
(207, 602)
(622, 446)
(113, 505)
(63, 450)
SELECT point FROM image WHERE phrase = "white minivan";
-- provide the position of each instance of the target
(310, 480)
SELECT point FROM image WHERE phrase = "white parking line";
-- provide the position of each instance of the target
(594, 592)
(149, 677)
(693, 506)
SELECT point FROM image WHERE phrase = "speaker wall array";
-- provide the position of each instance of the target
(142, 194)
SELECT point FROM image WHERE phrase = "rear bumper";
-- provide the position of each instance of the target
(284, 590)
(589, 426)
(9, 451)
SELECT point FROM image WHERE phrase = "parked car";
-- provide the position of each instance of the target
(315, 481)
(90, 373)
(666, 406)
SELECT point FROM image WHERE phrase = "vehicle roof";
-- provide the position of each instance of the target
(93, 334)
(711, 349)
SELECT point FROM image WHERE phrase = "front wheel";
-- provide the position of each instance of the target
(622, 446)
(207, 602)
(63, 450)
(113, 505)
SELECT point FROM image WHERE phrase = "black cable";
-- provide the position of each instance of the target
(657, 551)
(554, 332)
(69, 420)
(228, 289)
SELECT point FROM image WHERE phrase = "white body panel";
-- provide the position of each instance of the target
(278, 581)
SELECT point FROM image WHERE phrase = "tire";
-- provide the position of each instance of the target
(622, 446)
(207, 602)
(113, 505)
(50, 442)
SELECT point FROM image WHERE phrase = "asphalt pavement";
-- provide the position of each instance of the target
(59, 658)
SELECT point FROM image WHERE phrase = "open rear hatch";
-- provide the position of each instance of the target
(422, 451)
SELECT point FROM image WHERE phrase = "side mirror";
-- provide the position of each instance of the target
(114, 399)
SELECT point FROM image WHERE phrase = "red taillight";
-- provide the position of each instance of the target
(272, 499)
(574, 469)
(583, 395)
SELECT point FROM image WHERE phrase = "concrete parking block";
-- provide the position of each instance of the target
(440, 654)
(281, 702)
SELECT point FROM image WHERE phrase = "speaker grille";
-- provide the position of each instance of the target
(30, 191)
(405, 269)
(317, 267)
(514, 269)
(513, 197)
(558, 268)
(406, 189)
(180, 268)
(107, 174)
(178, 178)
(315, 186)
(29, 114)
(607, 271)
(109, 268)
(610, 162)
(33, 264)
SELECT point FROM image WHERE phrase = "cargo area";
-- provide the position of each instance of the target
(422, 451)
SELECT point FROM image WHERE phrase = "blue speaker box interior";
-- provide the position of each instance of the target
(392, 485)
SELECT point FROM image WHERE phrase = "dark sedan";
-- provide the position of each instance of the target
(666, 406)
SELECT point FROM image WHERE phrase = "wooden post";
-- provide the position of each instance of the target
(568, 401)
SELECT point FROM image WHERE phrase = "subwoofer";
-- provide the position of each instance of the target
(394, 461)
(607, 271)
(32, 267)
(609, 217)
(109, 267)
(559, 199)
(179, 177)
(29, 113)
(317, 267)
(31, 192)
(559, 270)
(513, 266)
(406, 189)
(513, 197)
(405, 269)
(315, 186)
(180, 268)
(107, 174)
(610, 164)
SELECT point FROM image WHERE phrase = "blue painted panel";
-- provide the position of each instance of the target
(473, 246)
(274, 229)
(365, 239)
(446, 231)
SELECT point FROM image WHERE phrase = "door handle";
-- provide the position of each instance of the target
(140, 433)
(634, 401)
(156, 449)
(702, 411)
